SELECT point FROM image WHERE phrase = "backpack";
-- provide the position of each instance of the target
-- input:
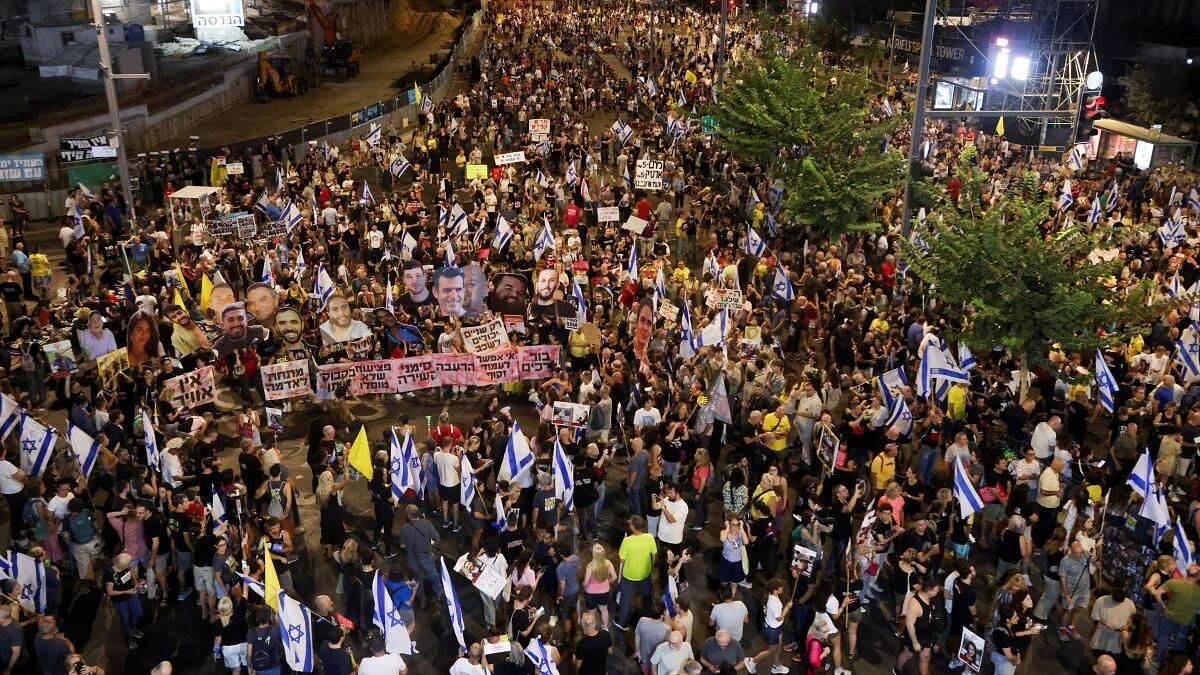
(1192, 396)
(265, 655)
(81, 526)
(32, 516)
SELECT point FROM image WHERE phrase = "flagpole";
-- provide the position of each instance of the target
(918, 124)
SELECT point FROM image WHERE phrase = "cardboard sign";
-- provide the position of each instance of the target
(539, 126)
(485, 338)
(608, 214)
(635, 225)
(487, 580)
(648, 174)
(724, 298)
(668, 312)
(567, 414)
(477, 171)
(571, 323)
(286, 380)
(112, 363)
(235, 169)
(194, 389)
(510, 158)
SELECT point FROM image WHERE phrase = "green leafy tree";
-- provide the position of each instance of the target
(1001, 282)
(782, 110)
(1157, 94)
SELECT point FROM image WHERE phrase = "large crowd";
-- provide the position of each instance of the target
(727, 428)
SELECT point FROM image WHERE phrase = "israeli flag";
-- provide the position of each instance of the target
(279, 183)
(935, 365)
(627, 178)
(1185, 555)
(968, 497)
(386, 618)
(1188, 355)
(651, 87)
(1075, 159)
(367, 197)
(544, 241)
(400, 474)
(1154, 508)
(374, 136)
(714, 332)
(681, 100)
(755, 245)
(262, 202)
(901, 417)
(772, 226)
(542, 181)
(30, 578)
(451, 256)
(326, 150)
(1142, 478)
(539, 656)
(323, 287)
(1114, 197)
(255, 585)
(295, 629)
(300, 266)
(582, 313)
(1106, 384)
(632, 265)
(782, 288)
(585, 193)
(501, 520)
(10, 415)
(389, 303)
(712, 266)
(399, 166)
(622, 131)
(316, 208)
(466, 485)
(1094, 214)
(564, 476)
(291, 216)
(887, 107)
(504, 234)
(408, 244)
(518, 457)
(443, 216)
(458, 221)
(1194, 200)
(1066, 199)
(966, 360)
(1171, 232)
(687, 341)
(84, 448)
(36, 444)
(426, 103)
(453, 606)
(572, 177)
(268, 274)
(890, 384)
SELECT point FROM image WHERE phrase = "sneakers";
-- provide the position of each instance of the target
(750, 668)
(183, 595)
(618, 625)
(780, 669)
(745, 584)
(955, 664)
(697, 528)
(841, 671)
(138, 635)
(1074, 632)
(1064, 634)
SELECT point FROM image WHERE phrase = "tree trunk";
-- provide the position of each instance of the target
(1023, 384)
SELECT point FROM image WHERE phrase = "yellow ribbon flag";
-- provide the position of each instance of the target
(206, 289)
(217, 173)
(417, 89)
(270, 578)
(1000, 126)
(360, 454)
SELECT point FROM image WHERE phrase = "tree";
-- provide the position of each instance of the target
(782, 111)
(1157, 95)
(1001, 282)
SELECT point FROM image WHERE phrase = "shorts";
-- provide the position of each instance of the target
(234, 656)
(730, 571)
(449, 494)
(160, 562)
(594, 600)
(202, 578)
(772, 635)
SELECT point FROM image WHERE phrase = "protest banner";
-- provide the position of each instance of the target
(398, 376)
(487, 580)
(272, 228)
(668, 312)
(414, 374)
(608, 214)
(635, 225)
(235, 169)
(510, 158)
(724, 298)
(485, 337)
(71, 150)
(374, 377)
(539, 126)
(827, 445)
(538, 361)
(477, 171)
(194, 389)
(571, 323)
(648, 174)
(60, 355)
(455, 369)
(334, 379)
(286, 380)
(497, 367)
(112, 363)
(567, 414)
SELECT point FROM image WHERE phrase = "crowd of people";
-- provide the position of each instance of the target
(727, 421)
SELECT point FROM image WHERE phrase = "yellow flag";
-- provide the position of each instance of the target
(1000, 126)
(178, 299)
(417, 89)
(217, 173)
(270, 578)
(206, 289)
(360, 454)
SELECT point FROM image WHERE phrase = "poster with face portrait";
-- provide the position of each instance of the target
(970, 650)
(474, 290)
(341, 325)
(236, 332)
(509, 295)
(60, 355)
(548, 296)
(643, 327)
(449, 290)
(288, 328)
(141, 339)
(416, 298)
(261, 303)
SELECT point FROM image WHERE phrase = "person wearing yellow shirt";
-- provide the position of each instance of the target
(775, 428)
(681, 273)
(883, 467)
(956, 402)
(880, 326)
(579, 349)
(637, 552)
(39, 271)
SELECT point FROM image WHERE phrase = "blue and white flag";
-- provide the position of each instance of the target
(1188, 354)
(585, 193)
(775, 196)
(323, 287)
(772, 226)
(314, 207)
(518, 457)
(408, 244)
(1171, 232)
(504, 234)
(501, 521)
(386, 618)
(291, 216)
(669, 595)
(966, 360)
(1194, 200)
(466, 485)
(542, 181)
(564, 476)
(890, 384)
(544, 241)
(718, 400)
(651, 87)
(581, 313)
(714, 332)
(153, 452)
(30, 578)
(755, 245)
(712, 266)
(539, 655)
(262, 202)
(936, 366)
(279, 183)
(443, 216)
(426, 103)
(404, 466)
(458, 221)
(1142, 478)
(622, 131)
(10, 415)
(572, 177)
(453, 606)
(300, 266)
(399, 166)
(1106, 384)
(295, 630)
(1094, 214)
(84, 448)
(632, 266)
(901, 417)
(1175, 287)
(268, 274)
(1114, 197)
(627, 178)
(1075, 159)
(1154, 508)
(217, 507)
(255, 585)
(782, 288)
(36, 444)
(1067, 198)
(968, 497)
(1185, 555)
(367, 197)
(375, 135)
(389, 303)
(687, 341)
(887, 107)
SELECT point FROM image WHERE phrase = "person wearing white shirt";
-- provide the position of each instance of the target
(58, 504)
(670, 656)
(66, 234)
(172, 466)
(647, 416)
(380, 662)
(449, 479)
(674, 517)
(471, 664)
(1045, 439)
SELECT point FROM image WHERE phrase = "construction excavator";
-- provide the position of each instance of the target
(339, 58)
(278, 76)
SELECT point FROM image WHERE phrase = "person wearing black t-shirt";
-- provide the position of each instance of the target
(963, 611)
(843, 508)
(592, 650)
(154, 532)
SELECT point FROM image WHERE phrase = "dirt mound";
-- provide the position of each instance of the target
(414, 20)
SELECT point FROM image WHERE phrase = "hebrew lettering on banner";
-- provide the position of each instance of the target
(398, 376)
(416, 373)
(486, 337)
(455, 369)
(286, 380)
(194, 389)
(374, 377)
(538, 362)
(332, 377)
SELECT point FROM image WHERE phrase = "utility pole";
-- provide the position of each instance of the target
(114, 108)
(918, 126)
(721, 47)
